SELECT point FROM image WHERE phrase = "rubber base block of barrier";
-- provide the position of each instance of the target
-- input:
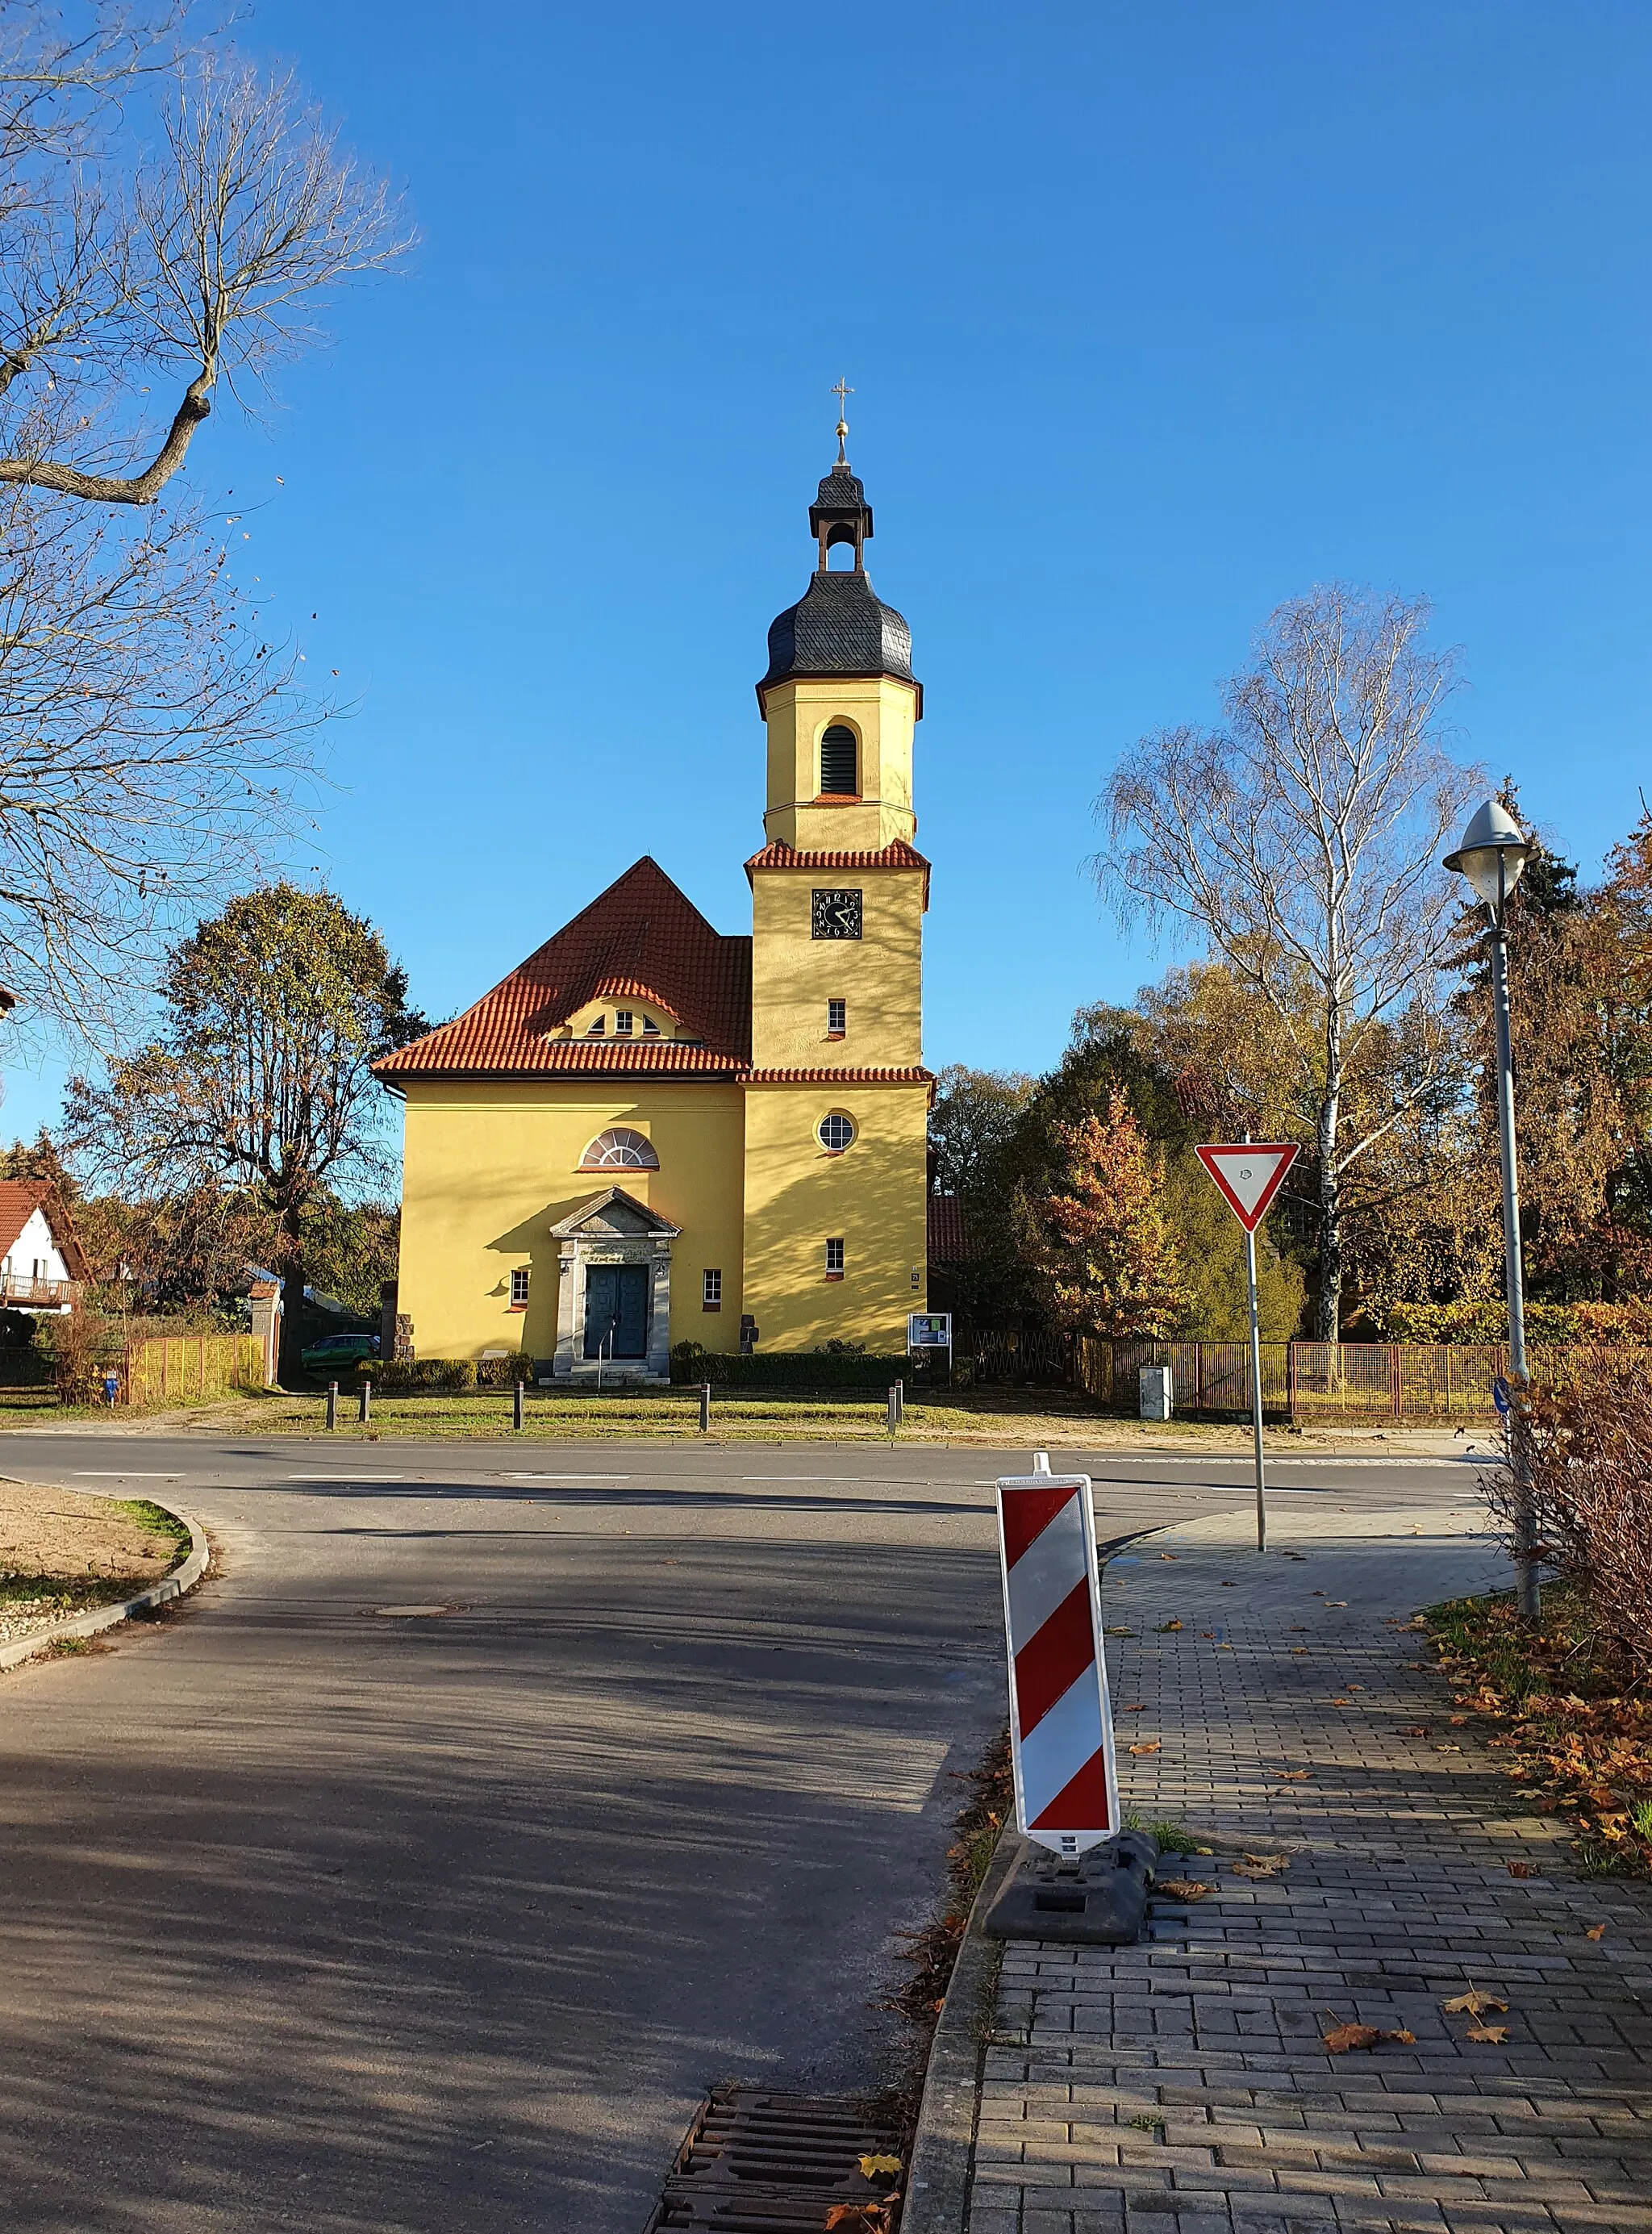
(1097, 1900)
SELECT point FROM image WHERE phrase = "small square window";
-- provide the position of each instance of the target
(713, 1298)
(519, 1288)
(623, 1023)
(837, 1019)
(835, 1260)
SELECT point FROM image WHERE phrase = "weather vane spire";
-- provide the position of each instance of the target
(843, 392)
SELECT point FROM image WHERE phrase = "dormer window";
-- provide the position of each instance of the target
(839, 762)
(622, 1020)
(595, 1028)
(651, 1030)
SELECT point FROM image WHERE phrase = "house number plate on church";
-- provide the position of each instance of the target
(835, 915)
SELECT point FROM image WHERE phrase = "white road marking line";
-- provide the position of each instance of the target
(558, 1477)
(112, 1473)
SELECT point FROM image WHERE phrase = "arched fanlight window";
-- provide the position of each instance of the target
(839, 755)
(620, 1150)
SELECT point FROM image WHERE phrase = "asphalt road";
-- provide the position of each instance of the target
(321, 1913)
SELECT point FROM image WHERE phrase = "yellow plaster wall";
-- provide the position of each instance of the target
(882, 715)
(489, 1169)
(873, 1197)
(880, 975)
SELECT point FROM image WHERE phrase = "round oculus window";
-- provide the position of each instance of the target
(836, 1133)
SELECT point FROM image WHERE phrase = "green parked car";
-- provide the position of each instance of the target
(334, 1350)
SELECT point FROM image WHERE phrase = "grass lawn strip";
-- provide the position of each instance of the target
(1577, 1740)
(62, 1554)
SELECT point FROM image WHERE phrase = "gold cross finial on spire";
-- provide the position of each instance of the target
(843, 392)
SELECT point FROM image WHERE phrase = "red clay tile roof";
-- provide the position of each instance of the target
(914, 1076)
(949, 1243)
(641, 938)
(19, 1199)
(897, 854)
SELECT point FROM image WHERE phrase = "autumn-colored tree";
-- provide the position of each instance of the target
(260, 1082)
(1302, 839)
(1100, 1241)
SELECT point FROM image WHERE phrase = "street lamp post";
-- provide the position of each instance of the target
(1492, 855)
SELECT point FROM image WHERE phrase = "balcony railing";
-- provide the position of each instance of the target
(21, 1288)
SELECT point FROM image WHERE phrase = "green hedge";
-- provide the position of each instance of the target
(787, 1369)
(444, 1376)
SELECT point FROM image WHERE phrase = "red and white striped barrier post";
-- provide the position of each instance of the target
(1061, 1724)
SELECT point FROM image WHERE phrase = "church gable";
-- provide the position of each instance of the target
(643, 940)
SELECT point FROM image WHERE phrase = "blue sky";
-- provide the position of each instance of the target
(1155, 315)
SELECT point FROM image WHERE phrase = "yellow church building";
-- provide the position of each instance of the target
(652, 1132)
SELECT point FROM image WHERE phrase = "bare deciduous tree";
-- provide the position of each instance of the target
(1303, 838)
(166, 216)
(203, 257)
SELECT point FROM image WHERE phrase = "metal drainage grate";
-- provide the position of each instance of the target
(761, 2163)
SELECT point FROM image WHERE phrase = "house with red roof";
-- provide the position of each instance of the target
(653, 1132)
(41, 1268)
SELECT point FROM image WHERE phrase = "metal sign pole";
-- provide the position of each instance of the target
(1255, 1391)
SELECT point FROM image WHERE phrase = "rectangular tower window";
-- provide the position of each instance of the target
(520, 1289)
(835, 1260)
(623, 1023)
(712, 1300)
(837, 1019)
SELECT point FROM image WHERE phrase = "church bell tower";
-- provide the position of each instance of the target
(836, 1160)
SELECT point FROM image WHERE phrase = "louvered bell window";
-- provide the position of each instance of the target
(839, 752)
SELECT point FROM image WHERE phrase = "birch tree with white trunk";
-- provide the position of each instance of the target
(1302, 838)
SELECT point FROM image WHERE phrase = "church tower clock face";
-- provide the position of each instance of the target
(835, 915)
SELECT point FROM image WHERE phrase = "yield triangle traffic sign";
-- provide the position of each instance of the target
(1250, 1176)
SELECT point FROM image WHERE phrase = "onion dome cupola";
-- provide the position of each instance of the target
(839, 627)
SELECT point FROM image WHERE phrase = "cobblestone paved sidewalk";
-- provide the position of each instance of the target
(1181, 2086)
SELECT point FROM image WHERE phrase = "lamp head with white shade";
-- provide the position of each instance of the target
(1491, 855)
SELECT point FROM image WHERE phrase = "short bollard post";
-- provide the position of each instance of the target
(900, 1403)
(705, 1407)
(516, 1406)
(332, 1405)
(894, 1412)
(367, 1401)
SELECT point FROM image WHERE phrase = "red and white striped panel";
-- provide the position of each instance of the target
(1061, 1725)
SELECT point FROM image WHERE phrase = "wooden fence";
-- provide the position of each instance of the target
(1302, 1382)
(188, 1369)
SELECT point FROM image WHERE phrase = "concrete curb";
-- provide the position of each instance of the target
(170, 1586)
(938, 2177)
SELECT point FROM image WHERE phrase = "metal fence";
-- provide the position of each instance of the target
(1301, 1380)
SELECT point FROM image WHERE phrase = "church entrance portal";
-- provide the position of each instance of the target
(616, 1310)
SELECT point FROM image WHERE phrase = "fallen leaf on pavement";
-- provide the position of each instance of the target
(1299, 1651)
(1259, 1865)
(1473, 2003)
(871, 2166)
(1337, 1602)
(1151, 1745)
(1121, 1632)
(1418, 1730)
(1230, 1586)
(1521, 1869)
(1448, 1749)
(1169, 1555)
(1183, 1888)
(1292, 1775)
(1493, 2035)
(1136, 1706)
(1164, 1625)
(1457, 1721)
(1595, 1931)
(1343, 2037)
